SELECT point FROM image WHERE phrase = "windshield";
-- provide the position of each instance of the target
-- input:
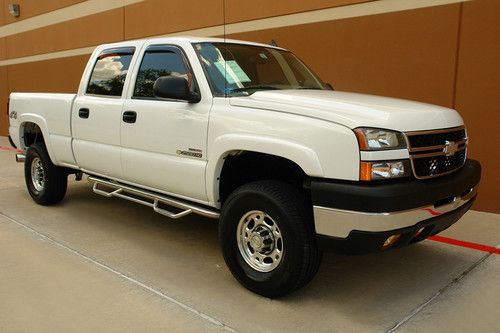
(241, 70)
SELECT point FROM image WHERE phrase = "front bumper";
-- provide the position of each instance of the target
(358, 218)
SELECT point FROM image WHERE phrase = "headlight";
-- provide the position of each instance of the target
(384, 170)
(379, 139)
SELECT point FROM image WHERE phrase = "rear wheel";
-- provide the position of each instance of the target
(46, 182)
(268, 239)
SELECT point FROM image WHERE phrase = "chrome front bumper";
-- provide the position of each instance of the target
(339, 223)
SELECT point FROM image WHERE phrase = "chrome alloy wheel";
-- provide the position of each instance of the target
(37, 174)
(260, 241)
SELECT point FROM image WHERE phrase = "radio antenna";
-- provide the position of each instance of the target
(224, 29)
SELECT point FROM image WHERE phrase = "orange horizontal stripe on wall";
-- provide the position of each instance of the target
(156, 17)
(3, 54)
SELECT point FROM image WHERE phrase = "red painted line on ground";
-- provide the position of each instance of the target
(432, 212)
(469, 245)
(11, 149)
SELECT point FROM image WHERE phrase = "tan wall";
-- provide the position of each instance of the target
(447, 55)
(237, 10)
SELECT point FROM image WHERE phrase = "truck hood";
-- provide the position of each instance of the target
(353, 110)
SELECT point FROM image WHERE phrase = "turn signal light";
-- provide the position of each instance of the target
(365, 171)
(384, 170)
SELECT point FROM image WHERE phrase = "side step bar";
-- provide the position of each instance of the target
(20, 158)
(151, 199)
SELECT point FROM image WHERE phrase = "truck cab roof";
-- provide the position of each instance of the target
(183, 40)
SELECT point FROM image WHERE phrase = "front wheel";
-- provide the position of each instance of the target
(268, 239)
(46, 182)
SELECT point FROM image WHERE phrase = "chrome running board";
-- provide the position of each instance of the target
(20, 158)
(150, 199)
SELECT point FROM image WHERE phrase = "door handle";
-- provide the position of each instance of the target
(83, 113)
(129, 116)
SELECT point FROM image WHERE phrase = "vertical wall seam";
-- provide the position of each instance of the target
(457, 56)
(123, 23)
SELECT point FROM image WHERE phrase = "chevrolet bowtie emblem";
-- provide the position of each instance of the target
(450, 148)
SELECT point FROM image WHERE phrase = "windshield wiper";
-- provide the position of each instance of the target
(253, 88)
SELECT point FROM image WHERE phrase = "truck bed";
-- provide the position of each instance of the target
(52, 112)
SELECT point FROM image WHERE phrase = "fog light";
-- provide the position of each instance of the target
(390, 241)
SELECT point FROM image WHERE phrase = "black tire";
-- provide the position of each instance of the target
(55, 179)
(290, 210)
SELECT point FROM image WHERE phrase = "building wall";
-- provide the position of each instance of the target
(444, 52)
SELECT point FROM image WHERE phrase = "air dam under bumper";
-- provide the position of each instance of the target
(358, 218)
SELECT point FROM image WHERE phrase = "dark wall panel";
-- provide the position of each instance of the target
(4, 124)
(156, 17)
(402, 54)
(58, 75)
(478, 92)
(2, 49)
(2, 12)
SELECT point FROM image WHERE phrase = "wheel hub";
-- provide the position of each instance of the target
(260, 241)
(37, 174)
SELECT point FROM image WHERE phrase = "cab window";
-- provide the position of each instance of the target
(157, 62)
(110, 71)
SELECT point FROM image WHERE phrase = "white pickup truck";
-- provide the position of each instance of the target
(247, 134)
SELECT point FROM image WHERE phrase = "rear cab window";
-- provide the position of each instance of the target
(109, 72)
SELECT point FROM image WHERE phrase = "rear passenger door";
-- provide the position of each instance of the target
(96, 114)
(164, 146)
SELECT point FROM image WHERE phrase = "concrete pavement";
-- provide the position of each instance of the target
(100, 264)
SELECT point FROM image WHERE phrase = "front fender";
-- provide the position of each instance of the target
(303, 156)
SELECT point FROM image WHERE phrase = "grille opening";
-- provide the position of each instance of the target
(464, 193)
(423, 152)
(436, 139)
(437, 152)
(437, 165)
(444, 201)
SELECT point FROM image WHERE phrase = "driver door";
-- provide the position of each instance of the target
(164, 141)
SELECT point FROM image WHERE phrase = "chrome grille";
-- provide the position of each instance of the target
(437, 152)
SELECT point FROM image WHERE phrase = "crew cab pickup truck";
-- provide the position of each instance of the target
(247, 134)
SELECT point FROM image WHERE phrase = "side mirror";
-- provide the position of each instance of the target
(174, 87)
